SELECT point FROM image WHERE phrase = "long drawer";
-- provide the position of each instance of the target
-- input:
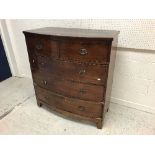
(84, 108)
(69, 88)
(96, 74)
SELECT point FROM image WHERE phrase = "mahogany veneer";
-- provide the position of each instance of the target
(72, 70)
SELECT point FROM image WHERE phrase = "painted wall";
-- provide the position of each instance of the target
(134, 78)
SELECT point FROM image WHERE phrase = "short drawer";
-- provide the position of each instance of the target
(41, 44)
(95, 74)
(68, 88)
(84, 108)
(85, 50)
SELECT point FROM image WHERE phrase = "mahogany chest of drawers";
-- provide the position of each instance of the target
(72, 70)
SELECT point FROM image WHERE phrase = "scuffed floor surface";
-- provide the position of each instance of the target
(28, 118)
(13, 92)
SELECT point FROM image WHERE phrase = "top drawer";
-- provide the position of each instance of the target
(85, 50)
(41, 44)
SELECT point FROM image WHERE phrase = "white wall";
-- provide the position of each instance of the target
(134, 78)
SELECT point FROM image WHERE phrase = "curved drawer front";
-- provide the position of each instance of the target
(84, 108)
(96, 74)
(69, 88)
(85, 50)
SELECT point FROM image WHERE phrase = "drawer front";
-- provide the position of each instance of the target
(96, 74)
(84, 108)
(69, 88)
(85, 50)
(42, 44)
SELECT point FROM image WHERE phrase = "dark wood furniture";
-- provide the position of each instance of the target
(72, 70)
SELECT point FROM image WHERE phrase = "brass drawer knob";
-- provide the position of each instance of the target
(83, 51)
(82, 72)
(39, 46)
(83, 91)
(81, 108)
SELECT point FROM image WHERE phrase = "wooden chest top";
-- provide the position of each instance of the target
(75, 32)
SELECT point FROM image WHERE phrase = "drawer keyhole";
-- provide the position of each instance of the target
(39, 46)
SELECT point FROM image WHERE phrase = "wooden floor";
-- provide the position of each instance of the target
(21, 115)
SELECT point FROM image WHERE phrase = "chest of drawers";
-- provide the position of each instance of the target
(72, 70)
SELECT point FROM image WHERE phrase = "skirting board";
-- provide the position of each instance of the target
(132, 105)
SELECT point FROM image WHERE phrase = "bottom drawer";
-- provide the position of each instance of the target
(76, 106)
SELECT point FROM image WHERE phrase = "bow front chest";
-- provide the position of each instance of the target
(72, 70)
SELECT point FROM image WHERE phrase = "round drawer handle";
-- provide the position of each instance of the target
(39, 46)
(83, 51)
(82, 72)
(81, 108)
